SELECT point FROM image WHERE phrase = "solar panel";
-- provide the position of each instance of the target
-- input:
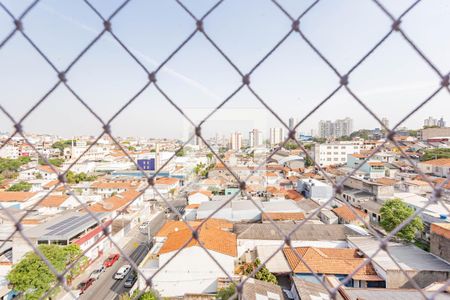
(62, 223)
(69, 226)
(78, 222)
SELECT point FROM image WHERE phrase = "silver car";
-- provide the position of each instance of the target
(96, 273)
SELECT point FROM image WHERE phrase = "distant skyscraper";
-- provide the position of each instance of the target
(430, 122)
(441, 122)
(385, 122)
(255, 138)
(236, 141)
(276, 136)
(338, 128)
(292, 123)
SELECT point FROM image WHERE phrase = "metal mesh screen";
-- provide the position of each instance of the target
(199, 28)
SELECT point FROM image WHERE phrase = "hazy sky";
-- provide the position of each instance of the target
(292, 81)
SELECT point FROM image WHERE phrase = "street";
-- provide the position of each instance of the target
(106, 287)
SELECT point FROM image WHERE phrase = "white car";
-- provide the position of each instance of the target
(122, 272)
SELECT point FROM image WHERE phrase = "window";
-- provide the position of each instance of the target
(329, 159)
(336, 159)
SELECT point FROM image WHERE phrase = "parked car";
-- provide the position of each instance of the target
(96, 273)
(144, 225)
(131, 279)
(122, 272)
(85, 284)
(111, 260)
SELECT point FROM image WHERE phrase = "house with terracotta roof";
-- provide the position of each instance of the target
(437, 167)
(372, 168)
(200, 196)
(130, 200)
(40, 171)
(346, 215)
(440, 240)
(107, 188)
(192, 270)
(20, 200)
(339, 262)
(53, 204)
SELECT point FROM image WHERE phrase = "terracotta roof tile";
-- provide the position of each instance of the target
(212, 239)
(293, 195)
(330, 261)
(206, 193)
(166, 180)
(53, 200)
(347, 214)
(283, 216)
(16, 196)
(438, 162)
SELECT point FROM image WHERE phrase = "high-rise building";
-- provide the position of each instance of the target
(236, 141)
(292, 123)
(338, 128)
(276, 136)
(441, 122)
(385, 122)
(255, 138)
(430, 121)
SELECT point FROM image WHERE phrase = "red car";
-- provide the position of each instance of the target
(85, 284)
(111, 260)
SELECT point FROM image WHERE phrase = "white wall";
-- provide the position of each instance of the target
(191, 271)
(197, 198)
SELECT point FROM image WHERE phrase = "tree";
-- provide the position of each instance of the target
(53, 161)
(181, 152)
(393, 213)
(22, 186)
(209, 156)
(226, 293)
(61, 145)
(10, 167)
(79, 177)
(131, 148)
(263, 273)
(308, 162)
(435, 154)
(32, 277)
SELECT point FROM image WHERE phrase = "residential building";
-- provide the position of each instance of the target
(355, 216)
(334, 153)
(20, 200)
(255, 138)
(198, 197)
(192, 270)
(339, 262)
(438, 167)
(276, 136)
(338, 128)
(433, 133)
(430, 121)
(423, 266)
(440, 240)
(315, 189)
(236, 141)
(385, 122)
(251, 236)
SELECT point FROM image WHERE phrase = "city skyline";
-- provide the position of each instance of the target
(389, 91)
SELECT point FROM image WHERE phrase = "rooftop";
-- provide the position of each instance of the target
(330, 261)
(307, 232)
(211, 238)
(408, 257)
(347, 214)
(16, 196)
(64, 226)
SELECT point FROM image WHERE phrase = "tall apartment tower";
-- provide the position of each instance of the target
(276, 136)
(236, 141)
(385, 122)
(255, 138)
(338, 128)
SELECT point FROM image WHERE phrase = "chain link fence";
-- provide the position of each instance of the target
(343, 82)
